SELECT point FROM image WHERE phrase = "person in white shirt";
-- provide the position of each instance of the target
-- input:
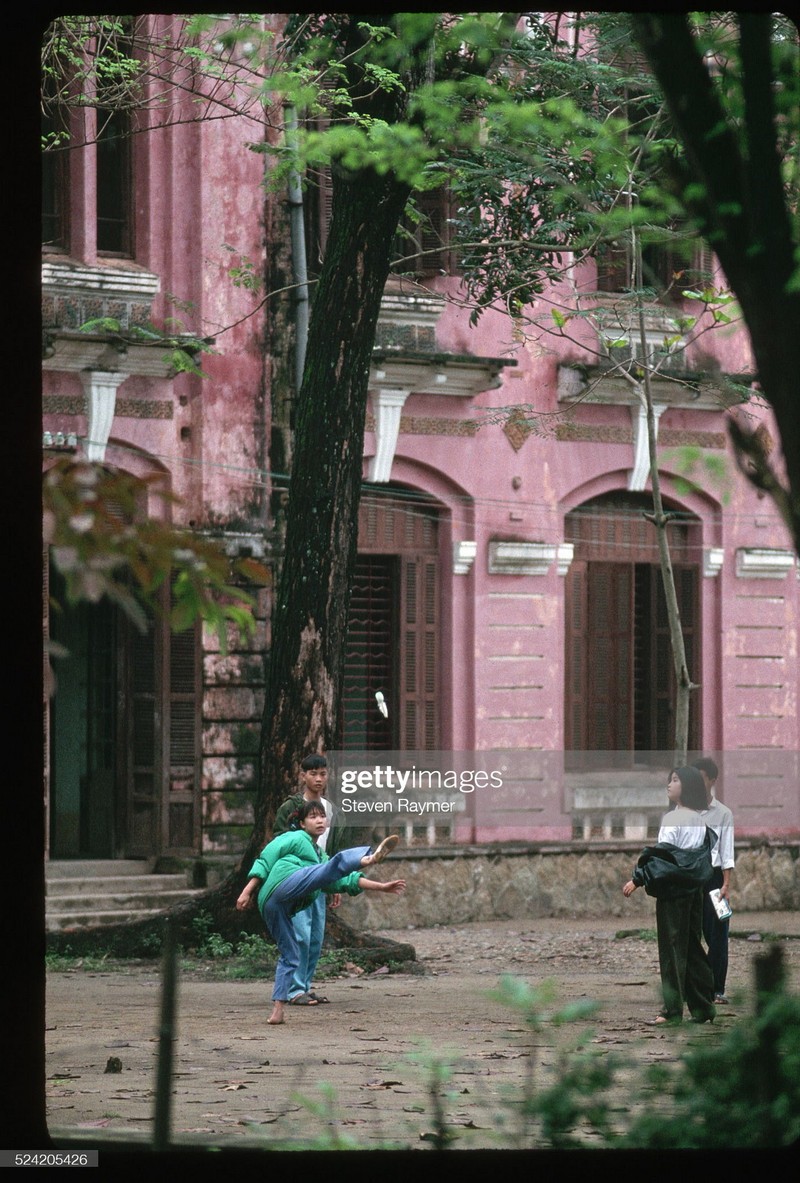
(715, 931)
(674, 871)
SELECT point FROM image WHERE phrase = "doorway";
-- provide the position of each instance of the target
(393, 629)
(619, 674)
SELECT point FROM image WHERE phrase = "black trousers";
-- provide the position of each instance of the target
(686, 976)
(715, 932)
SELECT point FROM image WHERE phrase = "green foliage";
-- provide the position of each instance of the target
(537, 1004)
(87, 61)
(91, 950)
(743, 1094)
(699, 470)
(104, 547)
(248, 957)
(243, 273)
(182, 349)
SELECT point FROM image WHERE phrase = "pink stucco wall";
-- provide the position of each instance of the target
(503, 647)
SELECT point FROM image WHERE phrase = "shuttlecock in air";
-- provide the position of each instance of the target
(381, 701)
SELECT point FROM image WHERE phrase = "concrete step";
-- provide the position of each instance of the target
(81, 921)
(95, 868)
(98, 886)
(85, 893)
(123, 900)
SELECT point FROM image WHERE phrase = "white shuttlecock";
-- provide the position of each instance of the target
(382, 707)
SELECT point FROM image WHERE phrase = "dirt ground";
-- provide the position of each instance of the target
(357, 1073)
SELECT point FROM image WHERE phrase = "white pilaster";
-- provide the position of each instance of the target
(101, 395)
(713, 557)
(640, 472)
(463, 557)
(387, 405)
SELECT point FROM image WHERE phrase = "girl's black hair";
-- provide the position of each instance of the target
(304, 809)
(693, 788)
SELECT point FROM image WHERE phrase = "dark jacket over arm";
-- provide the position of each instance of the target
(668, 872)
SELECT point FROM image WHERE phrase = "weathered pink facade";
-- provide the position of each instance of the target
(504, 634)
(197, 210)
(498, 489)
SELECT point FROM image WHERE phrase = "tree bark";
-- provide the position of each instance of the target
(303, 710)
(739, 199)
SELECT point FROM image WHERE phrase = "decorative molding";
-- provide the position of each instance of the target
(144, 408)
(762, 563)
(517, 429)
(64, 404)
(386, 407)
(671, 437)
(713, 558)
(429, 425)
(238, 543)
(564, 556)
(69, 351)
(454, 375)
(463, 557)
(101, 395)
(412, 308)
(520, 558)
(593, 434)
(122, 282)
(126, 408)
(640, 472)
(609, 385)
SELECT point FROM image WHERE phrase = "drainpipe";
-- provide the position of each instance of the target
(299, 264)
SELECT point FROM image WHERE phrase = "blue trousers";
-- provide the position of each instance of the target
(277, 910)
(309, 930)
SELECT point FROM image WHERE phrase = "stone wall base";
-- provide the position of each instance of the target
(480, 884)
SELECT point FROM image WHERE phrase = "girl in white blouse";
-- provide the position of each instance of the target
(671, 877)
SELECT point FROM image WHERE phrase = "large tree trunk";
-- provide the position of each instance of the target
(309, 627)
(740, 201)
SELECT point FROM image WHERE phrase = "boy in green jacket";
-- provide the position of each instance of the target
(309, 923)
(289, 874)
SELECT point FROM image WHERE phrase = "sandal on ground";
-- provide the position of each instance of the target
(317, 997)
(720, 1000)
(303, 1000)
(383, 849)
(667, 1019)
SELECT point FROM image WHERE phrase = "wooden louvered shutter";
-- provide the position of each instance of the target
(395, 595)
(663, 679)
(419, 711)
(610, 653)
(434, 233)
(613, 268)
(183, 757)
(143, 719)
(576, 655)
(369, 658)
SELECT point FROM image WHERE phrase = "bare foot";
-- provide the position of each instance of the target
(277, 1015)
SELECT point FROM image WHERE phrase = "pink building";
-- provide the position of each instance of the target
(507, 600)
